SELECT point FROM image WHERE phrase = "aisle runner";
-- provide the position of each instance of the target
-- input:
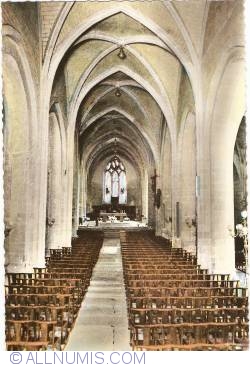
(102, 322)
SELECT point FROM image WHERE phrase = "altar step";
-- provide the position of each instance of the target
(111, 233)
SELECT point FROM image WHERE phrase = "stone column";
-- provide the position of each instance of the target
(151, 207)
(203, 193)
(54, 187)
(166, 184)
(76, 189)
(158, 210)
(144, 185)
(223, 211)
(81, 193)
(215, 167)
(21, 165)
(187, 180)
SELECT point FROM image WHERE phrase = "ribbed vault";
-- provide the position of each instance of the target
(117, 90)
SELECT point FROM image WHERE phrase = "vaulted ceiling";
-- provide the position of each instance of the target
(129, 81)
(125, 70)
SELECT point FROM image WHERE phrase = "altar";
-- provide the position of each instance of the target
(113, 210)
(105, 216)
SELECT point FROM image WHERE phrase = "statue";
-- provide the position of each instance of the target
(50, 221)
(158, 198)
(153, 184)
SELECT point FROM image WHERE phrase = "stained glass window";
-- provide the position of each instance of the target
(115, 183)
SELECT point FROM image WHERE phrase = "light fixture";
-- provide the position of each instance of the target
(118, 92)
(244, 214)
(121, 53)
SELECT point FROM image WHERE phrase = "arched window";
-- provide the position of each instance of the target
(115, 183)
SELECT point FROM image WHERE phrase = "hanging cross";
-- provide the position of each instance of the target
(153, 178)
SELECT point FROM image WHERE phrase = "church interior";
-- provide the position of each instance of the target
(125, 177)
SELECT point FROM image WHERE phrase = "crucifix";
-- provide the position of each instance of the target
(153, 184)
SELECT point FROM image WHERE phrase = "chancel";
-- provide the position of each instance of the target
(125, 200)
(115, 193)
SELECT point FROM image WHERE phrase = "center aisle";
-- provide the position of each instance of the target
(102, 322)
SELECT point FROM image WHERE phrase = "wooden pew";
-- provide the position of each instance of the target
(41, 307)
(173, 304)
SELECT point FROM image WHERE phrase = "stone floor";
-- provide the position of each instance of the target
(102, 322)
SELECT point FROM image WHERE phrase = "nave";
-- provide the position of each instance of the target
(119, 115)
(78, 302)
(102, 322)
